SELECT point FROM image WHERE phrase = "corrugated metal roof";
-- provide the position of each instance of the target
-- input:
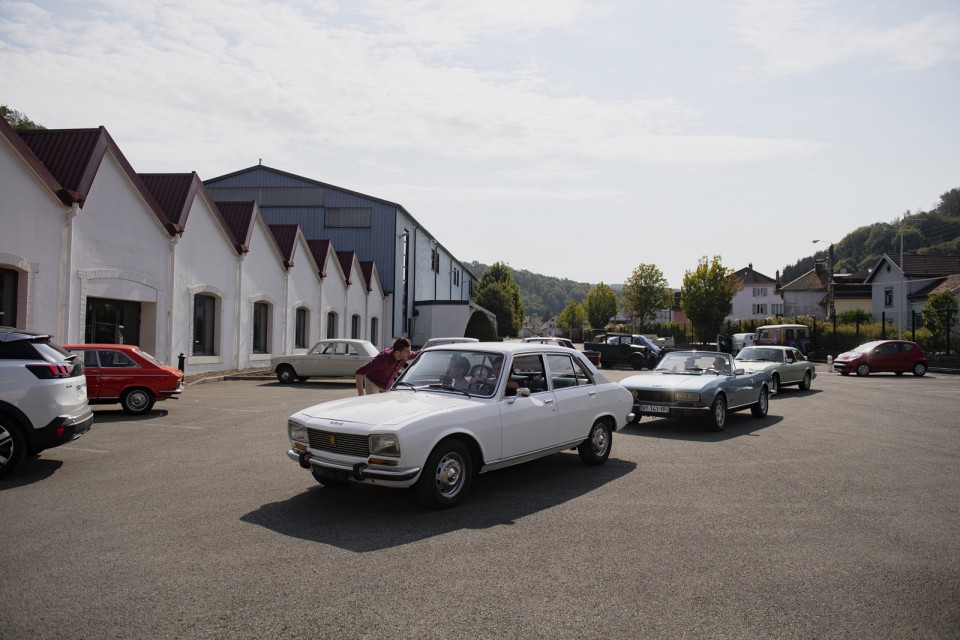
(173, 192)
(67, 154)
(286, 237)
(239, 217)
(319, 249)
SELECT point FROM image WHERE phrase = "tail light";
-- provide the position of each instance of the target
(47, 371)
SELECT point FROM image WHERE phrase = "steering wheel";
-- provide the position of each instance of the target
(481, 372)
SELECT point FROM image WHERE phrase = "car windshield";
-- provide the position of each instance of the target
(472, 373)
(760, 354)
(693, 363)
(866, 347)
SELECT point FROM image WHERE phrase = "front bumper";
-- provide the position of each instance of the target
(668, 411)
(359, 471)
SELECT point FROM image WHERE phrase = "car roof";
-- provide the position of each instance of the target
(101, 345)
(501, 347)
(9, 334)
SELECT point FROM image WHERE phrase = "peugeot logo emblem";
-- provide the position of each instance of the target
(333, 440)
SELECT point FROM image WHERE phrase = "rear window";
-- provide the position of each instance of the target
(33, 350)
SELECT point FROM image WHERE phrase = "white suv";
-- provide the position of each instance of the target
(43, 396)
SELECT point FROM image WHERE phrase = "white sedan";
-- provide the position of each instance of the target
(435, 431)
(328, 358)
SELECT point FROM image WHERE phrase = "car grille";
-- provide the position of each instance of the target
(654, 396)
(344, 443)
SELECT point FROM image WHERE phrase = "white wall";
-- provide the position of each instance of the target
(303, 283)
(262, 280)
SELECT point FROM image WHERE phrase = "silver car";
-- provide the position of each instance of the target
(332, 358)
(786, 366)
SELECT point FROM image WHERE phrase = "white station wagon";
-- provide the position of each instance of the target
(460, 410)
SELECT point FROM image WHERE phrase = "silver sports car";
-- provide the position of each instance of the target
(699, 383)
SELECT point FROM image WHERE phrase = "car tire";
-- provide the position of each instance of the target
(863, 369)
(286, 374)
(328, 479)
(637, 362)
(760, 408)
(805, 383)
(13, 446)
(775, 385)
(844, 373)
(596, 448)
(137, 401)
(717, 418)
(919, 369)
(302, 378)
(447, 476)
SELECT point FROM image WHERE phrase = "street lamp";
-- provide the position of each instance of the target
(830, 309)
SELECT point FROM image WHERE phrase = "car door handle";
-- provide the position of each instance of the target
(591, 393)
(548, 401)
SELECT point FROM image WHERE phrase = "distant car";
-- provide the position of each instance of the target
(434, 342)
(522, 401)
(634, 351)
(897, 356)
(786, 366)
(331, 358)
(592, 356)
(123, 373)
(739, 341)
(786, 335)
(43, 396)
(701, 384)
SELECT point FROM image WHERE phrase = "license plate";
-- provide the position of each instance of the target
(654, 408)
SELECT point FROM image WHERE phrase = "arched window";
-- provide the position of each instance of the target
(8, 297)
(331, 324)
(204, 325)
(261, 327)
(355, 326)
(375, 331)
(302, 336)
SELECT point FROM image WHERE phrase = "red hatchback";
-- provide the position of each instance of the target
(125, 374)
(897, 356)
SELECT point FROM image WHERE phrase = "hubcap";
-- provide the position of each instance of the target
(599, 439)
(137, 400)
(449, 474)
(6, 446)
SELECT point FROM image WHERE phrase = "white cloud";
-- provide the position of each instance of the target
(805, 35)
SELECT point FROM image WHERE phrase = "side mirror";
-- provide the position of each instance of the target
(523, 392)
(738, 372)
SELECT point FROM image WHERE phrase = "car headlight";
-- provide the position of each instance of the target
(686, 396)
(385, 444)
(634, 393)
(297, 432)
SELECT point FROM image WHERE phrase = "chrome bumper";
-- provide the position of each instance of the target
(359, 471)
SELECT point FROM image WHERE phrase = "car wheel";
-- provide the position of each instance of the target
(302, 378)
(844, 373)
(717, 418)
(775, 386)
(447, 476)
(805, 383)
(286, 374)
(137, 401)
(919, 369)
(759, 410)
(329, 479)
(596, 448)
(13, 447)
(637, 362)
(863, 369)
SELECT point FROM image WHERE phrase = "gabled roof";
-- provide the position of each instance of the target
(286, 237)
(920, 266)
(813, 280)
(366, 268)
(346, 259)
(950, 284)
(748, 276)
(174, 192)
(63, 194)
(73, 157)
(239, 217)
(319, 249)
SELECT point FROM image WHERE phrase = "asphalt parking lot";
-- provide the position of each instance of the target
(836, 516)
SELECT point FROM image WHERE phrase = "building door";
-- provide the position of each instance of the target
(112, 321)
(8, 298)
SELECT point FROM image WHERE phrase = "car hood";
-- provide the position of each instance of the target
(679, 381)
(849, 355)
(754, 365)
(385, 409)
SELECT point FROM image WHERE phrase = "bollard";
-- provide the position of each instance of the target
(830, 363)
(181, 361)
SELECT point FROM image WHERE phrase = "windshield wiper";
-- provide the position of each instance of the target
(448, 387)
(405, 384)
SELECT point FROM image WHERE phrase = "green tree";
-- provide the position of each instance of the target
(707, 296)
(480, 327)
(645, 292)
(18, 120)
(939, 314)
(499, 278)
(600, 305)
(572, 317)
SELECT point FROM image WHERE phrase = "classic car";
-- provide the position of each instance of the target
(436, 342)
(623, 349)
(331, 358)
(124, 373)
(703, 384)
(898, 356)
(592, 356)
(786, 335)
(786, 366)
(521, 401)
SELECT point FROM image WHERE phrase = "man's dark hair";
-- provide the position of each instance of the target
(400, 344)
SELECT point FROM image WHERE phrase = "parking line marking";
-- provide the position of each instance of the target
(82, 449)
(178, 426)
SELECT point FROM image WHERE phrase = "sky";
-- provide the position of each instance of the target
(571, 138)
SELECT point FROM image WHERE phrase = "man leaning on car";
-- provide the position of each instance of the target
(377, 375)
